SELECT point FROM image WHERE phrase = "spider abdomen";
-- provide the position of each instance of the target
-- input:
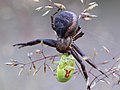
(66, 23)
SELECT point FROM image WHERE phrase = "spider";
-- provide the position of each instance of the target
(66, 26)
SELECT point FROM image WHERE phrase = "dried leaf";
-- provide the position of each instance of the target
(61, 6)
(21, 70)
(95, 52)
(48, 7)
(44, 68)
(118, 66)
(93, 85)
(118, 82)
(87, 16)
(91, 6)
(30, 69)
(106, 49)
(115, 75)
(38, 51)
(105, 62)
(38, 8)
(29, 54)
(102, 81)
(36, 0)
(12, 63)
(105, 81)
(92, 16)
(108, 82)
(50, 0)
(81, 1)
(46, 12)
(35, 72)
(8, 63)
(92, 3)
(34, 66)
(21, 66)
(118, 58)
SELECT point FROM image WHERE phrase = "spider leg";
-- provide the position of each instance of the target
(52, 22)
(79, 59)
(48, 42)
(76, 31)
(52, 19)
(77, 35)
(86, 59)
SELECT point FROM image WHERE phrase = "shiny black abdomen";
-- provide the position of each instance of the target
(66, 23)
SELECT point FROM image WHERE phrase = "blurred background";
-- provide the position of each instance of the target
(20, 22)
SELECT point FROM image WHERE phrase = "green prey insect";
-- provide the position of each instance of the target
(65, 68)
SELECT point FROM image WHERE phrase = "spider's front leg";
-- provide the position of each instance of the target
(86, 58)
(49, 42)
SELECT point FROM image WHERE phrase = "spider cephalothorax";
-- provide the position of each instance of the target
(63, 45)
(65, 24)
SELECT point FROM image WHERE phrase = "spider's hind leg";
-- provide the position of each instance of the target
(88, 60)
(79, 59)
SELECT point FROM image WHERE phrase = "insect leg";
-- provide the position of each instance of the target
(48, 42)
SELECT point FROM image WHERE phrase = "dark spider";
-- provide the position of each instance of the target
(65, 24)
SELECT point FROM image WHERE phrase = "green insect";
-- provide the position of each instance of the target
(65, 68)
